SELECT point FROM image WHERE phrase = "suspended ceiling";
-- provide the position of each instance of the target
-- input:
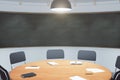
(43, 6)
(73, 1)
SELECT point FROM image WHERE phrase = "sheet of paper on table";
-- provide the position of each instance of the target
(94, 70)
(77, 78)
(76, 62)
(52, 63)
(32, 67)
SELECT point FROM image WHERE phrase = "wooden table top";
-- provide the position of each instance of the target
(62, 71)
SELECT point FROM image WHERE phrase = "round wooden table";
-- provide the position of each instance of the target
(62, 71)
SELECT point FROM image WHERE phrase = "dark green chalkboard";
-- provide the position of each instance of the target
(90, 30)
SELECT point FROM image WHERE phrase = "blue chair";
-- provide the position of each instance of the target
(17, 57)
(55, 54)
(87, 55)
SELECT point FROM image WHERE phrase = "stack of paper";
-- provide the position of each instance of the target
(94, 70)
(77, 78)
(32, 67)
(52, 63)
(76, 62)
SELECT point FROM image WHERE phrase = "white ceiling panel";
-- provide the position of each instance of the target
(105, 0)
(43, 6)
(46, 1)
(38, 1)
(81, 1)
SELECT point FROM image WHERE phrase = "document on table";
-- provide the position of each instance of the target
(32, 67)
(77, 78)
(52, 63)
(94, 70)
(76, 62)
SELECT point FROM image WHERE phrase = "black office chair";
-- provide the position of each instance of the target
(116, 76)
(55, 54)
(87, 55)
(117, 64)
(17, 57)
(4, 74)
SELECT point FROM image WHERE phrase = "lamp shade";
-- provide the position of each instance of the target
(61, 5)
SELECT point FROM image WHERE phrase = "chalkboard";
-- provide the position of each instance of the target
(87, 30)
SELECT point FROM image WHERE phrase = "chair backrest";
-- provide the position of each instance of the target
(117, 64)
(55, 54)
(87, 55)
(17, 57)
(4, 74)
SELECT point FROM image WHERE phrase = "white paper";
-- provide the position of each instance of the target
(32, 67)
(52, 63)
(72, 62)
(77, 78)
(94, 70)
(76, 62)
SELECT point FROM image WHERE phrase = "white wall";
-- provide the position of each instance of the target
(105, 56)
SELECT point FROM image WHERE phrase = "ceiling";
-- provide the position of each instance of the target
(43, 6)
(73, 1)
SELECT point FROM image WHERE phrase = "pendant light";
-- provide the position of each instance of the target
(61, 5)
